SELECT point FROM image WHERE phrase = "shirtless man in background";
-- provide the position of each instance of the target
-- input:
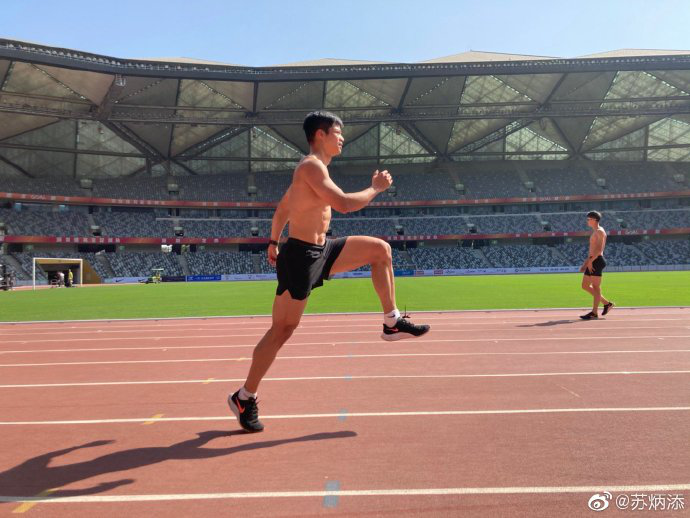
(593, 267)
(307, 258)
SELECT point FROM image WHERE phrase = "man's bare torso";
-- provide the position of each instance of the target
(308, 215)
(597, 240)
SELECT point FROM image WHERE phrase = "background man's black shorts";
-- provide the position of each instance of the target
(304, 266)
(598, 266)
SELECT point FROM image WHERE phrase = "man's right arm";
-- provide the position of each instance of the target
(316, 176)
(280, 217)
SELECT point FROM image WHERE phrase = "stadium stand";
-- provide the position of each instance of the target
(45, 222)
(271, 186)
(146, 224)
(213, 263)
(212, 187)
(264, 267)
(367, 227)
(561, 182)
(132, 188)
(132, 224)
(140, 264)
(195, 213)
(10, 268)
(506, 224)
(654, 219)
(26, 261)
(55, 186)
(434, 225)
(235, 214)
(616, 254)
(481, 183)
(635, 178)
(491, 184)
(216, 228)
(675, 251)
(445, 257)
(521, 256)
(428, 186)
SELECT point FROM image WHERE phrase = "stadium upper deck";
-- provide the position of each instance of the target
(71, 114)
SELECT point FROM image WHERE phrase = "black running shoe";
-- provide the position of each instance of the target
(589, 316)
(607, 307)
(403, 329)
(246, 412)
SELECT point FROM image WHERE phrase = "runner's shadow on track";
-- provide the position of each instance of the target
(551, 323)
(36, 475)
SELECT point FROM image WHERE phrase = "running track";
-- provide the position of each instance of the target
(520, 413)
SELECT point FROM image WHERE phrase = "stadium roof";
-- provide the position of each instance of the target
(475, 56)
(66, 113)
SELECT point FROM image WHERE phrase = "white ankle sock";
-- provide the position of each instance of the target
(245, 394)
(391, 318)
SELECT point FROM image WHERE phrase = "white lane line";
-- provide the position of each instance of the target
(366, 414)
(374, 325)
(323, 324)
(446, 491)
(356, 342)
(338, 356)
(340, 378)
(98, 349)
(528, 339)
(470, 313)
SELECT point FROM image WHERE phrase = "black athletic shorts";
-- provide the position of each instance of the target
(598, 266)
(304, 266)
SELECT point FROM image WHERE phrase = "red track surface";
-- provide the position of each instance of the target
(523, 413)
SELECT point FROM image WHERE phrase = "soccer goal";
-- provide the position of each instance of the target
(53, 266)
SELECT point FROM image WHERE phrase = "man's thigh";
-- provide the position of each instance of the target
(286, 310)
(596, 281)
(358, 251)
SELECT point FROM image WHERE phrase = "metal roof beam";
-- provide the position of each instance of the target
(419, 137)
(289, 141)
(584, 139)
(74, 151)
(401, 103)
(573, 151)
(112, 95)
(17, 167)
(214, 140)
(130, 137)
(659, 108)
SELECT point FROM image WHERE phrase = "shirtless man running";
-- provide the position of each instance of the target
(594, 266)
(307, 258)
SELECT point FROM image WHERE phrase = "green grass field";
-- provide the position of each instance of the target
(347, 295)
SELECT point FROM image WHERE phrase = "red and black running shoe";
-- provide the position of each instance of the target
(607, 307)
(247, 412)
(403, 329)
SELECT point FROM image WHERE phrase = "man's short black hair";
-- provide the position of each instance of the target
(594, 215)
(319, 120)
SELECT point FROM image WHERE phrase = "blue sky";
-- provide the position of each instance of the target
(265, 32)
